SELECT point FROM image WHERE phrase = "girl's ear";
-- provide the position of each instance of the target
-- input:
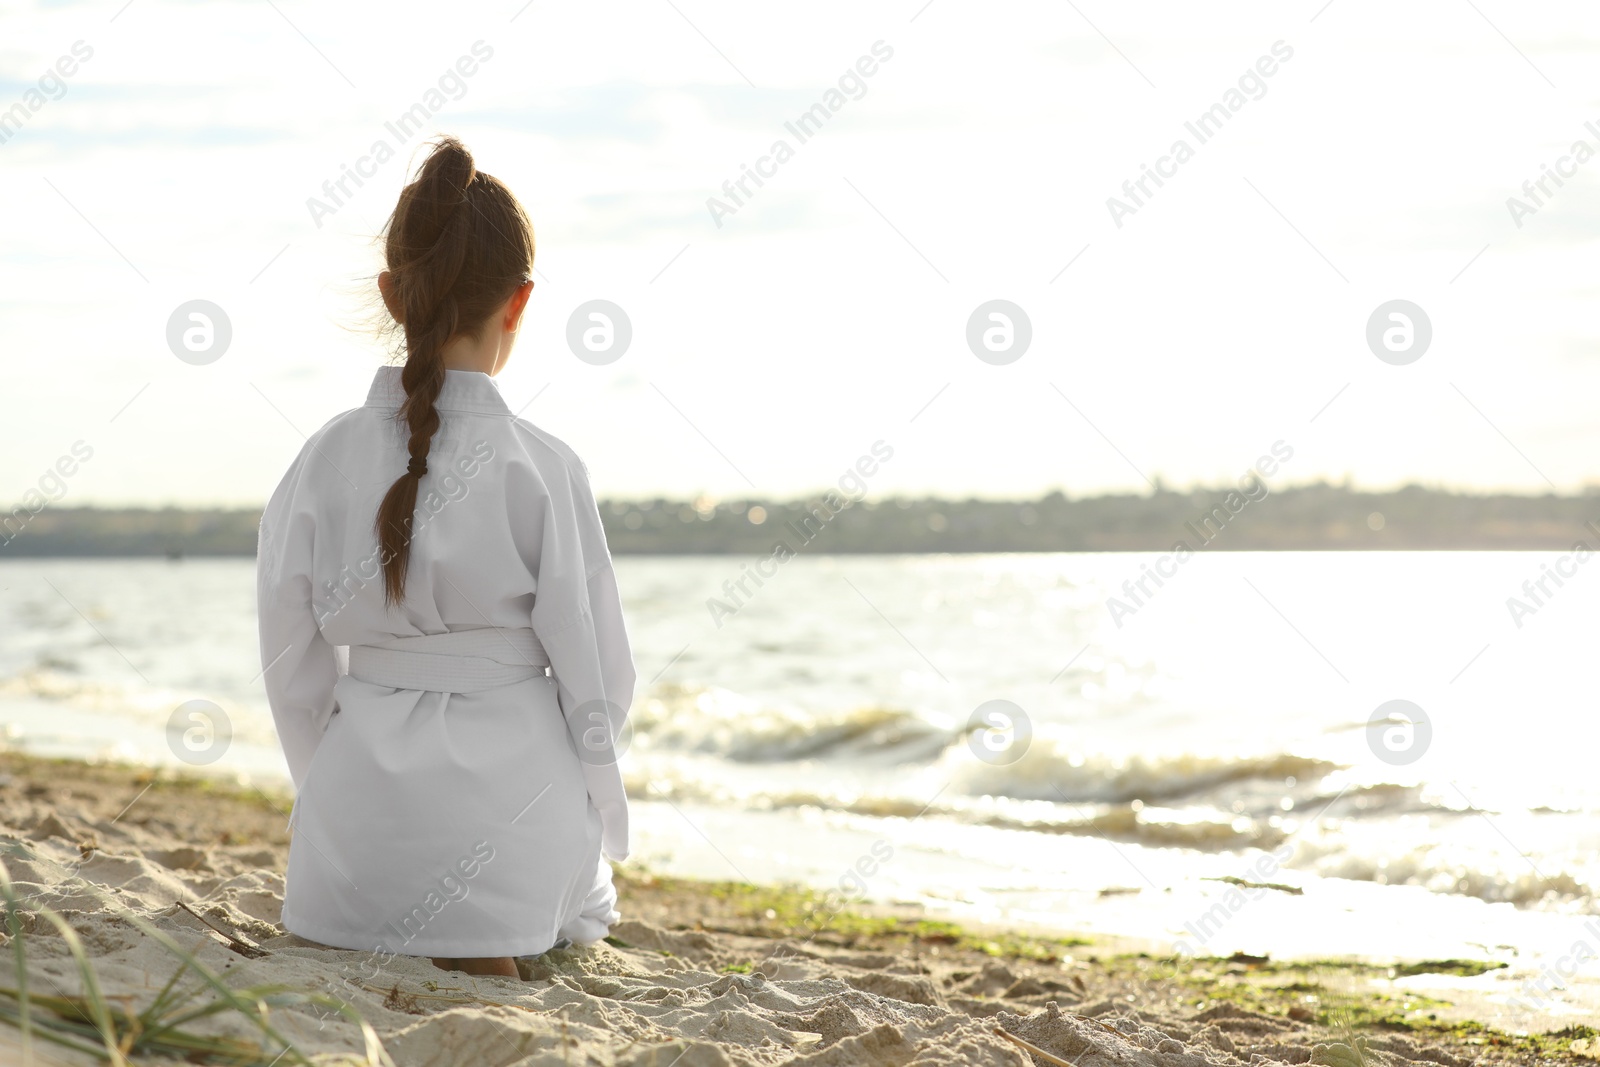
(517, 304)
(391, 299)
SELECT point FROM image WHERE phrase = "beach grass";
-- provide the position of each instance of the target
(108, 1027)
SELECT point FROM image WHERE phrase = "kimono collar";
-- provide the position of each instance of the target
(464, 390)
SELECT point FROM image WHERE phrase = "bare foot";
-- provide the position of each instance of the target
(501, 966)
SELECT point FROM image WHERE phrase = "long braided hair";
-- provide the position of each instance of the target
(457, 246)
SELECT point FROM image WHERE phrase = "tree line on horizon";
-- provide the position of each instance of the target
(1316, 516)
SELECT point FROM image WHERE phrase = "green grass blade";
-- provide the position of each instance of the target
(99, 1010)
(14, 928)
(157, 1027)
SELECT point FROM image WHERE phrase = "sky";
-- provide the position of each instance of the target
(1174, 333)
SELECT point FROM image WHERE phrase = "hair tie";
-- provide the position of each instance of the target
(417, 467)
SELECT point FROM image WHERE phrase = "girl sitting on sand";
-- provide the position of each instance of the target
(442, 636)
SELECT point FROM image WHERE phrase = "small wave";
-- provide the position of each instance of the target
(1049, 771)
(1132, 823)
(718, 722)
(1440, 871)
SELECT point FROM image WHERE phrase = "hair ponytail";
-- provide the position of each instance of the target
(458, 245)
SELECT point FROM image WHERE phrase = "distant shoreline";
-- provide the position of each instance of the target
(1317, 517)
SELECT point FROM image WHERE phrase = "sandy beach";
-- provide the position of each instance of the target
(699, 974)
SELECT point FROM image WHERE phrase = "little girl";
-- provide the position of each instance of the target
(442, 636)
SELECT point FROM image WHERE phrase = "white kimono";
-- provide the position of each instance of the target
(453, 799)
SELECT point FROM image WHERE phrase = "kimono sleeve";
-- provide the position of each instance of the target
(299, 666)
(577, 614)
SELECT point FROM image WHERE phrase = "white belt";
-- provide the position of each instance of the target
(460, 661)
